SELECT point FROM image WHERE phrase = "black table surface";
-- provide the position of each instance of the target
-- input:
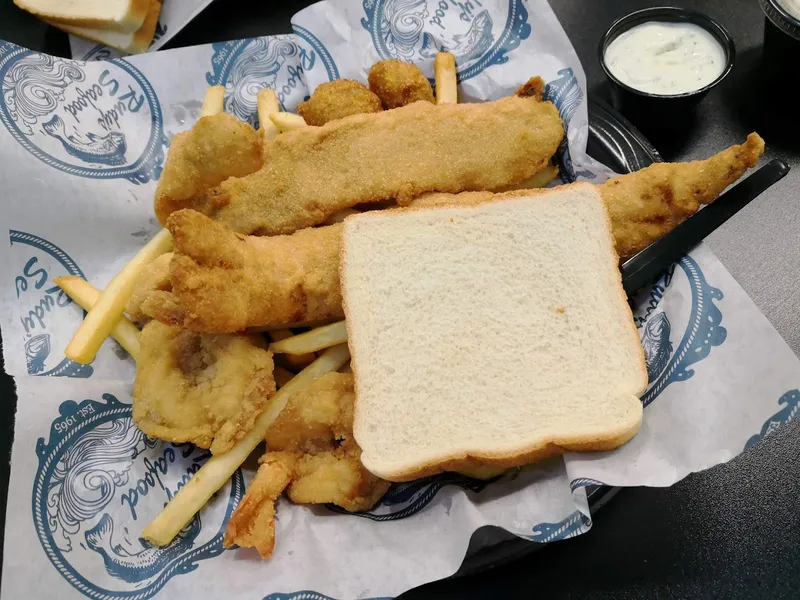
(730, 532)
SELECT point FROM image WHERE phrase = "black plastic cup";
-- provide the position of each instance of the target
(779, 65)
(655, 113)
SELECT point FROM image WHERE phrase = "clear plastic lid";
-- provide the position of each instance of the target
(782, 14)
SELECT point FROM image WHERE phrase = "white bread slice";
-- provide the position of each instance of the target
(492, 335)
(132, 43)
(125, 16)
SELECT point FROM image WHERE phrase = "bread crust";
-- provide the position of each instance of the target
(528, 454)
(130, 22)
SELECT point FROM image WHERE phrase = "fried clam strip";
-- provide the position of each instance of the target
(646, 205)
(313, 172)
(311, 453)
(207, 389)
(223, 282)
(217, 147)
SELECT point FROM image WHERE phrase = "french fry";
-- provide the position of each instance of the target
(311, 341)
(287, 121)
(105, 313)
(219, 468)
(267, 105)
(213, 101)
(444, 72)
(294, 361)
(85, 295)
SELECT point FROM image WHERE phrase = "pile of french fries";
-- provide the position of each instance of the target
(105, 317)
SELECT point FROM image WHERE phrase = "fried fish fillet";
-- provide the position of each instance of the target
(217, 147)
(200, 388)
(154, 277)
(223, 282)
(312, 453)
(313, 172)
(646, 205)
(226, 282)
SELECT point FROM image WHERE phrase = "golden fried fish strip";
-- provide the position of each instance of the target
(336, 100)
(223, 282)
(646, 205)
(154, 277)
(252, 524)
(313, 172)
(200, 388)
(217, 147)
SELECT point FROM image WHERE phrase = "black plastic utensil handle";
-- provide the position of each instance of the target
(646, 266)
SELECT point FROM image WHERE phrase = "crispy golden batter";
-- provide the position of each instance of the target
(336, 100)
(154, 277)
(533, 88)
(223, 282)
(646, 205)
(313, 172)
(200, 388)
(252, 525)
(398, 83)
(310, 448)
(217, 147)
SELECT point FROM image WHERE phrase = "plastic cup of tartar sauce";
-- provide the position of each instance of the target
(661, 62)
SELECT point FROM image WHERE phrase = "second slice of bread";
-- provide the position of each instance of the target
(490, 335)
(125, 16)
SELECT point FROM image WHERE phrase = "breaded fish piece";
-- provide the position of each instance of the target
(313, 172)
(312, 453)
(218, 290)
(223, 282)
(646, 205)
(336, 100)
(252, 524)
(217, 147)
(154, 277)
(398, 83)
(200, 388)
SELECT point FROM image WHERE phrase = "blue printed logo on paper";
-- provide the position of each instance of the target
(41, 302)
(415, 30)
(673, 343)
(98, 120)
(566, 94)
(407, 499)
(790, 403)
(100, 481)
(245, 67)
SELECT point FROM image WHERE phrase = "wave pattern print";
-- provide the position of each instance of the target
(85, 479)
(566, 94)
(256, 68)
(34, 85)
(401, 26)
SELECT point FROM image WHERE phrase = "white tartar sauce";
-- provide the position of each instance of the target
(665, 58)
(792, 7)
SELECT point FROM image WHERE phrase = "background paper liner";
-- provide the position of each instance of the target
(81, 148)
(175, 15)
